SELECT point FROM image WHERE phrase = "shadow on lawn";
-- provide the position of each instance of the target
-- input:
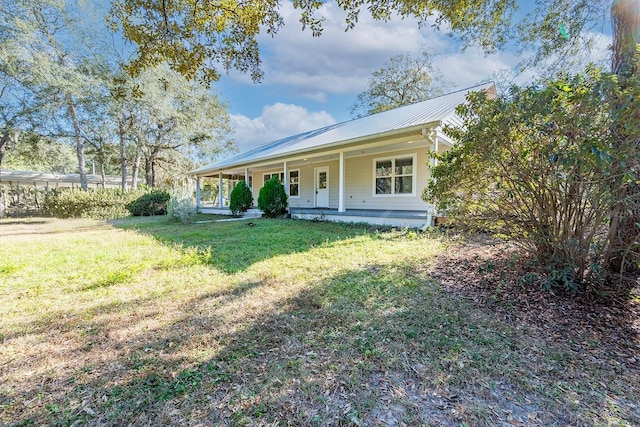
(373, 346)
(236, 245)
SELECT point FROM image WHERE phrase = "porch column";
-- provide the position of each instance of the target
(198, 193)
(246, 176)
(435, 148)
(341, 184)
(286, 180)
(220, 190)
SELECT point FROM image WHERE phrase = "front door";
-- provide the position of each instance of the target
(322, 187)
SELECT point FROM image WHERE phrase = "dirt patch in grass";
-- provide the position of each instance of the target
(579, 346)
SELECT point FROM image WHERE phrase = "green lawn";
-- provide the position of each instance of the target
(273, 322)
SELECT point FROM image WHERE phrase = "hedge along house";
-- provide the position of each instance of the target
(372, 169)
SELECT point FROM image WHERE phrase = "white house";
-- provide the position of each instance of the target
(372, 169)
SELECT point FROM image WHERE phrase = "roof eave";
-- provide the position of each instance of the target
(333, 145)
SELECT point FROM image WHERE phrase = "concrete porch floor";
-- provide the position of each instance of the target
(394, 218)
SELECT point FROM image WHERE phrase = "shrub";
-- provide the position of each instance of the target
(181, 208)
(538, 166)
(241, 198)
(94, 203)
(272, 199)
(152, 203)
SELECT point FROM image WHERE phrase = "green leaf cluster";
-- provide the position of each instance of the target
(154, 202)
(93, 203)
(196, 37)
(241, 198)
(273, 200)
(543, 165)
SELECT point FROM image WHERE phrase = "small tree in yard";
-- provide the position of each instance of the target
(241, 199)
(538, 166)
(273, 199)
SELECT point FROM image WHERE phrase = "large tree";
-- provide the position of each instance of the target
(198, 37)
(625, 214)
(175, 122)
(50, 58)
(402, 80)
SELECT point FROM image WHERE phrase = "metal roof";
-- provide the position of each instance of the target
(435, 110)
(54, 179)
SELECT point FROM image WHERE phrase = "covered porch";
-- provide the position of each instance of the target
(340, 184)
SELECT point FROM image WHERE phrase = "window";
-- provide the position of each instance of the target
(294, 183)
(268, 176)
(394, 176)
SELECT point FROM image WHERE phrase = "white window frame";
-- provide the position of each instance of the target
(414, 175)
(270, 175)
(289, 177)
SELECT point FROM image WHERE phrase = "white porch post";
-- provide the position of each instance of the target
(341, 184)
(246, 176)
(198, 193)
(286, 179)
(220, 190)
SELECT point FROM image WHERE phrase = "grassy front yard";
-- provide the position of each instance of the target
(279, 323)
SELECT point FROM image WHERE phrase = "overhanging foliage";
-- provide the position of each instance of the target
(542, 165)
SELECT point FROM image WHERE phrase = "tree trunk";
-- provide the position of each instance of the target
(625, 20)
(625, 17)
(123, 156)
(103, 175)
(154, 162)
(79, 144)
(5, 139)
(4, 143)
(135, 171)
(3, 205)
(148, 174)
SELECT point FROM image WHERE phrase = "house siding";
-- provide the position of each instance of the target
(359, 183)
(307, 190)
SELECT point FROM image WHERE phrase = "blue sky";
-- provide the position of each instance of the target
(311, 82)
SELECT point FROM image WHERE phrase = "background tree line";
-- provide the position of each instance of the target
(62, 85)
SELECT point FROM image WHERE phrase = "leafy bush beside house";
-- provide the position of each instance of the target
(538, 166)
(241, 199)
(152, 203)
(273, 200)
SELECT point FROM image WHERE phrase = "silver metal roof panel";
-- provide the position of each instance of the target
(433, 110)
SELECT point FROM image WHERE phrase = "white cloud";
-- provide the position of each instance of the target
(464, 69)
(276, 121)
(340, 62)
(337, 62)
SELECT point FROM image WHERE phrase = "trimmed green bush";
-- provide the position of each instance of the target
(273, 200)
(241, 199)
(94, 203)
(152, 203)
